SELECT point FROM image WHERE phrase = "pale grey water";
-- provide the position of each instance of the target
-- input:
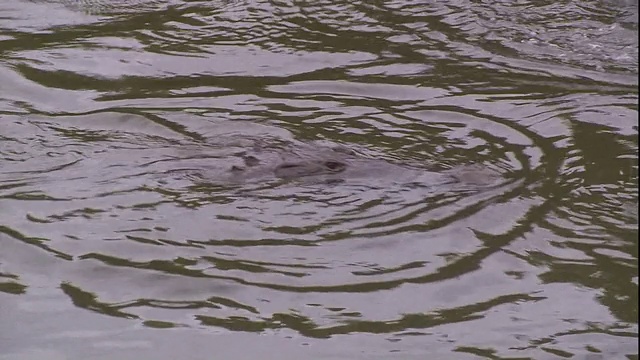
(119, 118)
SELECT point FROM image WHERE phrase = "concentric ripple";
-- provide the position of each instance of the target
(488, 207)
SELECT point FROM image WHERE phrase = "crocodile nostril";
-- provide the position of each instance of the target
(334, 165)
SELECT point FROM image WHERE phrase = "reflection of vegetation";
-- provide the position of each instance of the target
(84, 135)
(592, 217)
(236, 323)
(248, 266)
(87, 300)
(11, 287)
(604, 158)
(159, 324)
(36, 241)
(484, 353)
(305, 326)
(620, 294)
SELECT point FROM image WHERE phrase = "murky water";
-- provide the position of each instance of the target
(134, 224)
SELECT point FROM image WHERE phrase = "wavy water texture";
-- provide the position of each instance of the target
(488, 208)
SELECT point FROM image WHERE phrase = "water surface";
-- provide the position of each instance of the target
(118, 120)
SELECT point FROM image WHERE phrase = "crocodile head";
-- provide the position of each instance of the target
(292, 163)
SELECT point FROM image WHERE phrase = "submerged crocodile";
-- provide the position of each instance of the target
(304, 162)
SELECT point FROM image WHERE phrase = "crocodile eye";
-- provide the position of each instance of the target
(250, 160)
(334, 165)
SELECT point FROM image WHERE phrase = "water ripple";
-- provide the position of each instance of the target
(489, 206)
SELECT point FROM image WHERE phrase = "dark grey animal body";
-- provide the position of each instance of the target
(313, 163)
